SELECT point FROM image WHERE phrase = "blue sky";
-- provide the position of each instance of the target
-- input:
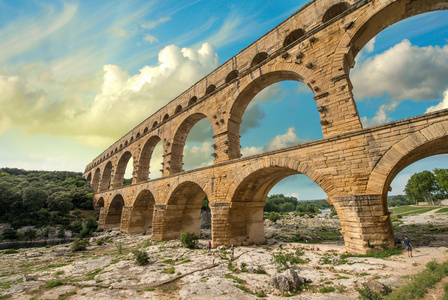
(77, 75)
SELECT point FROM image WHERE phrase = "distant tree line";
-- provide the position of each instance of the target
(428, 186)
(398, 200)
(281, 203)
(41, 198)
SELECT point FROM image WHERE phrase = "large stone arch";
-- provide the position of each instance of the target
(248, 193)
(98, 204)
(121, 169)
(242, 100)
(145, 158)
(138, 217)
(179, 138)
(427, 142)
(114, 212)
(107, 176)
(96, 180)
(181, 213)
(374, 20)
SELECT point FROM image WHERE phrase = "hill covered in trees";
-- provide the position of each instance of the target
(42, 198)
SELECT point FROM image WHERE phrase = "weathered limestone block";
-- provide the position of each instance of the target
(365, 223)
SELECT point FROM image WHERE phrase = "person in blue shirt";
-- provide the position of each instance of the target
(407, 244)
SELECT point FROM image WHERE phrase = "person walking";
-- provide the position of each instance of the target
(232, 252)
(407, 244)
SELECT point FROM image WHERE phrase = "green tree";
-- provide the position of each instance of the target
(60, 201)
(420, 186)
(441, 176)
(34, 199)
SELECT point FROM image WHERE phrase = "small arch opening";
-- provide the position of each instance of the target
(334, 11)
(293, 36)
(154, 125)
(146, 130)
(231, 76)
(165, 118)
(211, 88)
(192, 100)
(178, 109)
(258, 59)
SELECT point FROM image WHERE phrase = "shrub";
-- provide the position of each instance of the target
(118, 246)
(53, 284)
(141, 257)
(366, 293)
(9, 234)
(30, 234)
(273, 216)
(432, 265)
(79, 245)
(10, 251)
(189, 239)
(61, 233)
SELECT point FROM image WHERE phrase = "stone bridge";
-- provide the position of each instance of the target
(317, 45)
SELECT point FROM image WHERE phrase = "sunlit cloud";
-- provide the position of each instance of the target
(442, 105)
(404, 72)
(278, 142)
(35, 103)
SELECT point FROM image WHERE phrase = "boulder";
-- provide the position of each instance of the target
(378, 287)
(287, 281)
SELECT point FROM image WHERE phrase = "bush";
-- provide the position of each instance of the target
(10, 251)
(9, 234)
(30, 234)
(79, 245)
(365, 293)
(189, 239)
(274, 217)
(53, 284)
(118, 247)
(61, 233)
(141, 257)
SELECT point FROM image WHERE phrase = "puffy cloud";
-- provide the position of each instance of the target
(403, 72)
(381, 116)
(442, 105)
(280, 141)
(37, 103)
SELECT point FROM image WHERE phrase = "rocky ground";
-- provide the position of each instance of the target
(174, 272)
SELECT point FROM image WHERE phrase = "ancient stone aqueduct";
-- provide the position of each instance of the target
(317, 45)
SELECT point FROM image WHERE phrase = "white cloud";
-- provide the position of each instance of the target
(151, 39)
(100, 107)
(285, 140)
(403, 72)
(442, 105)
(295, 195)
(280, 141)
(152, 24)
(381, 116)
